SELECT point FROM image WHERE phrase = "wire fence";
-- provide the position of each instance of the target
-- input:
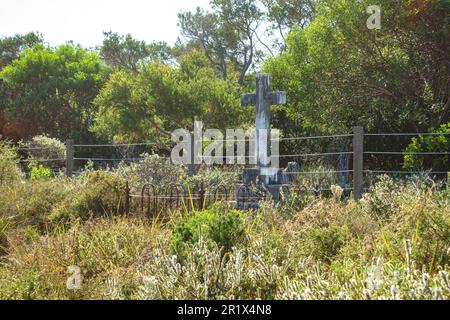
(344, 164)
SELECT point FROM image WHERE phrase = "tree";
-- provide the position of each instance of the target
(10, 50)
(228, 35)
(160, 98)
(11, 47)
(340, 74)
(50, 91)
(125, 52)
(238, 34)
(205, 30)
(287, 14)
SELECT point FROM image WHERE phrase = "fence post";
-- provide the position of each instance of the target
(358, 162)
(69, 157)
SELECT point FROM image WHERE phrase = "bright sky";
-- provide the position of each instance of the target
(84, 21)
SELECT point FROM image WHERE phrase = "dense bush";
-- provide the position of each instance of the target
(40, 172)
(394, 244)
(9, 169)
(104, 250)
(31, 202)
(219, 226)
(325, 177)
(153, 170)
(438, 143)
(381, 200)
(102, 193)
(215, 177)
(3, 240)
(326, 242)
(43, 148)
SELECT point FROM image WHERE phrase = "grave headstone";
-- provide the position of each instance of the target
(264, 174)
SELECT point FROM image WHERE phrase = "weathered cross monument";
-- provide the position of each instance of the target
(263, 99)
(267, 172)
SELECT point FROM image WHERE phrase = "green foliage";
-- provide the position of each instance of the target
(283, 15)
(223, 44)
(339, 74)
(3, 239)
(440, 143)
(229, 34)
(40, 172)
(214, 178)
(31, 202)
(44, 202)
(57, 84)
(11, 47)
(419, 233)
(328, 249)
(154, 170)
(381, 200)
(325, 243)
(42, 147)
(126, 53)
(161, 98)
(103, 250)
(9, 169)
(101, 194)
(216, 226)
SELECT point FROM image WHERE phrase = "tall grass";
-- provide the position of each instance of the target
(394, 244)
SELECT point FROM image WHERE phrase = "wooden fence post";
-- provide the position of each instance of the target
(358, 162)
(69, 158)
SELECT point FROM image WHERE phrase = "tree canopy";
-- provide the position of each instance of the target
(338, 72)
(125, 52)
(51, 90)
(161, 98)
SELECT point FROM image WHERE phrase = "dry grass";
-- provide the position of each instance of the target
(393, 244)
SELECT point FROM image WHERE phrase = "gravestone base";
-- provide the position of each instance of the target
(251, 176)
(246, 198)
(266, 177)
(275, 192)
(268, 184)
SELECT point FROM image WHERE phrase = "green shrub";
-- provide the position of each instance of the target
(30, 202)
(381, 200)
(420, 232)
(154, 170)
(9, 169)
(214, 177)
(102, 193)
(43, 148)
(325, 243)
(325, 177)
(439, 143)
(40, 172)
(223, 227)
(3, 240)
(102, 249)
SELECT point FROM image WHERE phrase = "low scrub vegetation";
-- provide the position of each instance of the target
(393, 244)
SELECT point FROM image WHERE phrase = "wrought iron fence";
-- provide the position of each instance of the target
(151, 200)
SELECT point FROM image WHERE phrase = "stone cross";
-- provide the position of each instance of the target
(263, 99)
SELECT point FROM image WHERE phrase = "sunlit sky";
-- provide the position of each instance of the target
(84, 21)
